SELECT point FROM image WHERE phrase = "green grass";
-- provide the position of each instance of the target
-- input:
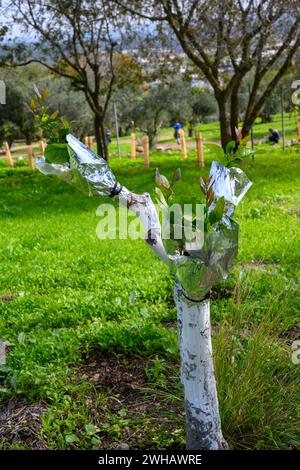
(211, 131)
(74, 295)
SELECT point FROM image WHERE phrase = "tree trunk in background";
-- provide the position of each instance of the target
(234, 113)
(27, 135)
(203, 425)
(247, 126)
(104, 142)
(100, 137)
(224, 121)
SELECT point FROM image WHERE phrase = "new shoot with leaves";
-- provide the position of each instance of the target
(54, 127)
(237, 149)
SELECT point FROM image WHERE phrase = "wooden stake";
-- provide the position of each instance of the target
(30, 157)
(183, 144)
(145, 143)
(8, 154)
(133, 146)
(298, 129)
(199, 145)
(88, 142)
(42, 147)
(282, 120)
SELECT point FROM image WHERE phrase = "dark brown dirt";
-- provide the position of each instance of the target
(20, 425)
(124, 382)
(291, 335)
(221, 293)
(121, 377)
(7, 297)
(120, 388)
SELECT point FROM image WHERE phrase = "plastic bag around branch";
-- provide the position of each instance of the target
(211, 264)
(231, 183)
(199, 271)
(86, 171)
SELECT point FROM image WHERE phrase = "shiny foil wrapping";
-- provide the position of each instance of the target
(200, 270)
(197, 271)
(87, 171)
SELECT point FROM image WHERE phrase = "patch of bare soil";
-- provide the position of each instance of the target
(295, 211)
(119, 375)
(219, 292)
(255, 265)
(7, 297)
(123, 380)
(20, 425)
(291, 335)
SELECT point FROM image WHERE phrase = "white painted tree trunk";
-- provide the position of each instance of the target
(203, 425)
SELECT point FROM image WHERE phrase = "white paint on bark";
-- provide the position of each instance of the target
(143, 206)
(203, 425)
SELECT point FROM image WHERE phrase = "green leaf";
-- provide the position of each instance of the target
(70, 438)
(163, 184)
(243, 152)
(91, 428)
(65, 123)
(62, 135)
(217, 214)
(161, 180)
(176, 177)
(21, 338)
(160, 197)
(245, 140)
(32, 105)
(230, 146)
(45, 94)
(57, 153)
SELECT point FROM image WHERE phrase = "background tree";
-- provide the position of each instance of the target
(69, 103)
(16, 121)
(204, 106)
(151, 111)
(163, 104)
(226, 39)
(75, 39)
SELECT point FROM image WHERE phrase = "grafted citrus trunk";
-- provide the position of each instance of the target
(203, 425)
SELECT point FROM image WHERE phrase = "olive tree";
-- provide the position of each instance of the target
(227, 39)
(74, 39)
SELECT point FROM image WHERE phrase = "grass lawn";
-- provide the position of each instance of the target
(92, 355)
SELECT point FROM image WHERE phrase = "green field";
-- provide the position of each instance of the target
(92, 355)
(211, 132)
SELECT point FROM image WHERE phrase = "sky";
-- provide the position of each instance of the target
(6, 19)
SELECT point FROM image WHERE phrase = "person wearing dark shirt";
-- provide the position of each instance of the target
(274, 136)
(108, 136)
